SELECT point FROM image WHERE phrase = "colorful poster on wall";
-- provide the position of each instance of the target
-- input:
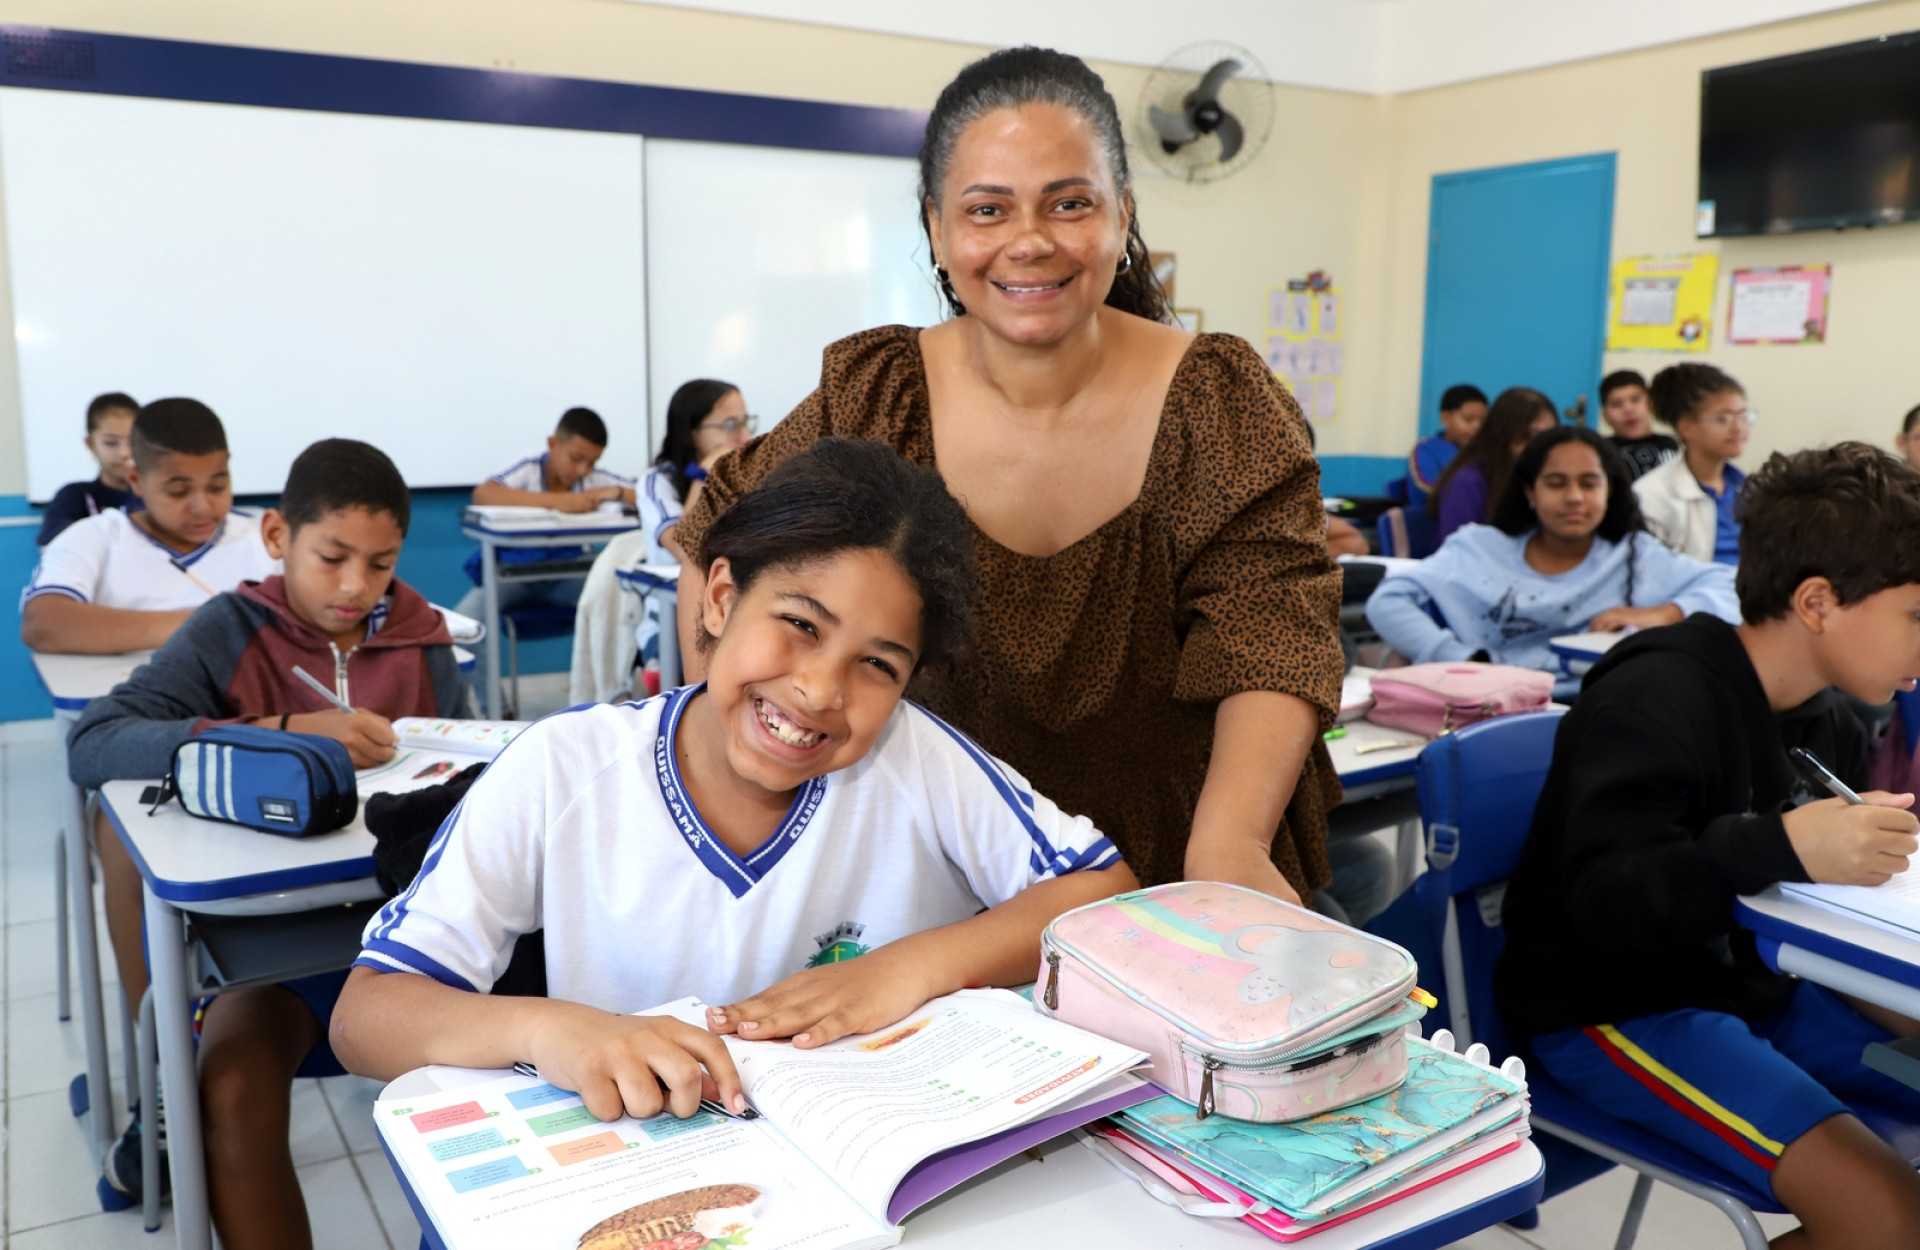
(1662, 303)
(1303, 348)
(1786, 304)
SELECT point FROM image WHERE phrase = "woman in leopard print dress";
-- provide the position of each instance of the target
(1158, 646)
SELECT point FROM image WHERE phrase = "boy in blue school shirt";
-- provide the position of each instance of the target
(109, 442)
(1625, 974)
(1462, 409)
(566, 478)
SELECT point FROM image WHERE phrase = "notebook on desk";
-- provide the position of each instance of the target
(851, 1137)
(1893, 906)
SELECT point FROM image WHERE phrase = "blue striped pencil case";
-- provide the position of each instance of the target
(292, 784)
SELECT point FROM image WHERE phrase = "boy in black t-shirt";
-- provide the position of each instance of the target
(110, 439)
(1625, 975)
(1623, 403)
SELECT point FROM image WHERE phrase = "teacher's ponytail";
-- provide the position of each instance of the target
(1006, 80)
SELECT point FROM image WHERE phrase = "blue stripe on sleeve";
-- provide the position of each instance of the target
(1018, 801)
(391, 953)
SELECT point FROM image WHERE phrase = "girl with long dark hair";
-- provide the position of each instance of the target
(1476, 478)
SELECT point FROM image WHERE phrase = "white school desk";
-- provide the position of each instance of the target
(192, 865)
(588, 529)
(72, 682)
(1071, 1197)
(1578, 652)
(1376, 774)
(1839, 952)
(660, 583)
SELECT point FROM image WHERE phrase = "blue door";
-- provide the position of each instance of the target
(1517, 261)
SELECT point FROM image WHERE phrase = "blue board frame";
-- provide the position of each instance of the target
(70, 60)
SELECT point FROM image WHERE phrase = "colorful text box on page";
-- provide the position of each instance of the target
(447, 1117)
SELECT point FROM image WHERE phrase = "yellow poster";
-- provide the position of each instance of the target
(1662, 303)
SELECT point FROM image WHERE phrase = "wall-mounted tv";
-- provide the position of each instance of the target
(1816, 141)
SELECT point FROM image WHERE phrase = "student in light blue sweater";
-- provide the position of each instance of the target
(1567, 553)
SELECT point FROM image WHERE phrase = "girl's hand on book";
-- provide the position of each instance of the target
(633, 1065)
(824, 1004)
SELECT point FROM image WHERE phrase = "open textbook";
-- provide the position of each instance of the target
(431, 749)
(851, 1137)
(1893, 905)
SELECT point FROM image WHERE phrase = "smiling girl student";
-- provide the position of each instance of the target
(744, 838)
(1689, 501)
(1565, 553)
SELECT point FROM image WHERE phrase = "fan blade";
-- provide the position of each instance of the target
(1208, 92)
(1173, 128)
(1230, 134)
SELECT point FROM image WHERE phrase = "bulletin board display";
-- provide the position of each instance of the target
(1783, 305)
(1662, 303)
(1305, 319)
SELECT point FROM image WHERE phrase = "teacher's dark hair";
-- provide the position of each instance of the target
(1006, 80)
(846, 495)
(689, 406)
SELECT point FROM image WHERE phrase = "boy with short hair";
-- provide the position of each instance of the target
(339, 613)
(109, 425)
(124, 581)
(1671, 792)
(566, 478)
(1462, 409)
(1624, 407)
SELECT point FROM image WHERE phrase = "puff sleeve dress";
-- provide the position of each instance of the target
(1097, 670)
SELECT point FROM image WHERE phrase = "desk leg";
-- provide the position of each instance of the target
(93, 1015)
(490, 645)
(173, 1022)
(669, 638)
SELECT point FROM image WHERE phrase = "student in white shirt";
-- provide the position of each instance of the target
(125, 581)
(743, 839)
(612, 626)
(567, 478)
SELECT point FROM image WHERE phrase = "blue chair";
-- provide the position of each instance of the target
(531, 624)
(1405, 532)
(1477, 792)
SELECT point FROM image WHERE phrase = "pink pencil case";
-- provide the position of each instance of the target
(1434, 699)
(1249, 1006)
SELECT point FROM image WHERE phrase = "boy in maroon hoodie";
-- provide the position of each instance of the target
(339, 613)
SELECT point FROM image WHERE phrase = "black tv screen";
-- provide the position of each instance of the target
(1815, 141)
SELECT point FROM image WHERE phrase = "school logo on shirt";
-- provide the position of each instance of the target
(839, 945)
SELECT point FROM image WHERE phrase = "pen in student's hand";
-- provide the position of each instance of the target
(320, 688)
(1824, 775)
(176, 563)
(706, 1104)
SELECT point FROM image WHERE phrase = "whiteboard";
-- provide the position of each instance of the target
(757, 258)
(443, 290)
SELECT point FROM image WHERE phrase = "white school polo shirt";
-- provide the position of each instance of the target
(110, 561)
(660, 507)
(530, 474)
(581, 827)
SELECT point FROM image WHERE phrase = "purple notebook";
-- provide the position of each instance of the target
(937, 1173)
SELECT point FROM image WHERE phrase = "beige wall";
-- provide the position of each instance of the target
(1645, 107)
(1233, 240)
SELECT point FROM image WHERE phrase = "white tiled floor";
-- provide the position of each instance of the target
(47, 1183)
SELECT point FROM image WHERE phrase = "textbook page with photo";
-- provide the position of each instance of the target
(851, 1137)
(430, 750)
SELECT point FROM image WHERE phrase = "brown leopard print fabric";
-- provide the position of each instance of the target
(1097, 670)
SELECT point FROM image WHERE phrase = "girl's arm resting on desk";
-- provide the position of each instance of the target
(1260, 744)
(388, 1023)
(999, 946)
(55, 624)
(1397, 611)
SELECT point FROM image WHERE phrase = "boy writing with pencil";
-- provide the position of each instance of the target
(124, 581)
(109, 429)
(339, 647)
(1671, 792)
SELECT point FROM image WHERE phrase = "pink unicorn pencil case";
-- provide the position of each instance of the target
(1250, 1007)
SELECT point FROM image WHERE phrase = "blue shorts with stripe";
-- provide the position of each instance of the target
(1737, 1094)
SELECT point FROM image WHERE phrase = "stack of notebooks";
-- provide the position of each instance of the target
(1290, 1181)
